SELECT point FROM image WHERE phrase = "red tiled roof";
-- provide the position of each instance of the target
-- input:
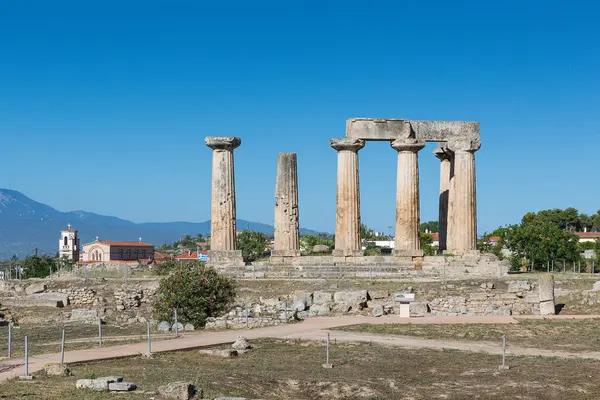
(587, 234)
(494, 239)
(187, 256)
(160, 255)
(435, 236)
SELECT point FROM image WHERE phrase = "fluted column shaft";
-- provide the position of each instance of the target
(287, 228)
(347, 232)
(445, 170)
(463, 197)
(223, 210)
(407, 198)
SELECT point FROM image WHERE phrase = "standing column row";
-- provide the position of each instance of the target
(223, 212)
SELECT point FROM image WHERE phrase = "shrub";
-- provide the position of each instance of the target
(252, 244)
(165, 267)
(372, 251)
(196, 291)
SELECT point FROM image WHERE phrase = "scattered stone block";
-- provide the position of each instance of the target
(378, 311)
(57, 369)
(121, 386)
(58, 300)
(341, 308)
(356, 298)
(300, 305)
(97, 385)
(241, 344)
(179, 391)
(419, 308)
(227, 353)
(164, 326)
(319, 309)
(321, 297)
(378, 294)
(301, 295)
(35, 288)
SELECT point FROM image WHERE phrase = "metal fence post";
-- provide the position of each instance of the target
(564, 266)
(548, 266)
(579, 266)
(149, 341)
(176, 324)
(62, 348)
(9, 339)
(100, 331)
(327, 363)
(26, 358)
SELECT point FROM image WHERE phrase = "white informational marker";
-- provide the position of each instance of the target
(404, 299)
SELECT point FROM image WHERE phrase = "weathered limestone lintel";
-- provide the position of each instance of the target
(396, 128)
(223, 142)
(378, 128)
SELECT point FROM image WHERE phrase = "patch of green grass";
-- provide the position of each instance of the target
(293, 370)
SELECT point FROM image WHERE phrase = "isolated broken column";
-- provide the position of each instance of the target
(287, 224)
(223, 213)
(546, 293)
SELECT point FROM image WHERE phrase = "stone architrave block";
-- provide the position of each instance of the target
(378, 128)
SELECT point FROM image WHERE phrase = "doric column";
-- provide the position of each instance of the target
(347, 227)
(407, 198)
(463, 208)
(287, 228)
(445, 157)
(223, 215)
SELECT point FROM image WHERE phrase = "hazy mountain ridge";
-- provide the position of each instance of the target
(26, 224)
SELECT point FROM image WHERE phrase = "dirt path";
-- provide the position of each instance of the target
(313, 329)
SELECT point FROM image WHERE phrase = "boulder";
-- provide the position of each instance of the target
(378, 294)
(319, 309)
(57, 369)
(84, 315)
(321, 297)
(356, 298)
(179, 391)
(241, 344)
(341, 307)
(188, 327)
(378, 310)
(58, 300)
(164, 326)
(35, 288)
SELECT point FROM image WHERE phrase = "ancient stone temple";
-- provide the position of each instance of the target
(458, 142)
(287, 225)
(223, 216)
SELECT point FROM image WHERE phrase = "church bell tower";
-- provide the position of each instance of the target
(68, 245)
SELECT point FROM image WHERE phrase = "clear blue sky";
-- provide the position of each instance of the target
(105, 107)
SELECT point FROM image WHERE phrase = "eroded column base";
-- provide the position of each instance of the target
(347, 253)
(225, 257)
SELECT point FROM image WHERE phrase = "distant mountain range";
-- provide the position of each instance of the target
(26, 225)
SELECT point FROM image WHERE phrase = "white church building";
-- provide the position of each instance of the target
(68, 244)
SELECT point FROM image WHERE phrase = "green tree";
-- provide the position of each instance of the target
(38, 267)
(427, 244)
(252, 245)
(196, 292)
(431, 226)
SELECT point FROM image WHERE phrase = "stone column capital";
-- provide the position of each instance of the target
(408, 145)
(464, 145)
(222, 142)
(349, 144)
(443, 153)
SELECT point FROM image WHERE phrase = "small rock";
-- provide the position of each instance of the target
(57, 370)
(164, 326)
(241, 344)
(188, 327)
(179, 391)
(377, 310)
